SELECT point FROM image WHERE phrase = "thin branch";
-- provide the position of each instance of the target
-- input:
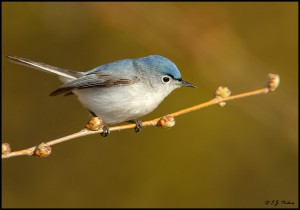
(95, 125)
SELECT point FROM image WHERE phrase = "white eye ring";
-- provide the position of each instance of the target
(166, 79)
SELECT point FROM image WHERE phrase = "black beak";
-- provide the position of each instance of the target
(187, 84)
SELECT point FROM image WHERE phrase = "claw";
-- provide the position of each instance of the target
(138, 125)
(105, 128)
(106, 131)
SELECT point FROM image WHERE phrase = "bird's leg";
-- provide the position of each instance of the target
(93, 113)
(138, 125)
(105, 128)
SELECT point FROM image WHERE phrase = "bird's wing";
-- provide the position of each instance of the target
(99, 79)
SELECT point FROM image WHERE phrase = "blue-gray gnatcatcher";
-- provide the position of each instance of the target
(119, 91)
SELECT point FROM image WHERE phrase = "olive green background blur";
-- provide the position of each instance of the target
(241, 155)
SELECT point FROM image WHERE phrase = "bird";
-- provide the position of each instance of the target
(120, 91)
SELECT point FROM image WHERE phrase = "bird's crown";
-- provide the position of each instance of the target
(159, 64)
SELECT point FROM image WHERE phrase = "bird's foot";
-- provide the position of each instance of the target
(105, 128)
(105, 131)
(138, 125)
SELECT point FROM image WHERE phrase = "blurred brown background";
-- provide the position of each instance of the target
(237, 156)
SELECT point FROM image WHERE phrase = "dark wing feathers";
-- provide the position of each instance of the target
(93, 80)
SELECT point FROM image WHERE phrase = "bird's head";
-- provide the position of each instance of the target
(163, 72)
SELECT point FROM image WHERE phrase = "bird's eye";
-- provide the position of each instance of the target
(166, 79)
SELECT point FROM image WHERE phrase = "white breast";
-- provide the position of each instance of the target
(121, 103)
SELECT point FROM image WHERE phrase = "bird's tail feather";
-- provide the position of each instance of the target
(65, 73)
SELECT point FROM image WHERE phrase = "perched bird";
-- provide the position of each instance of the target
(120, 91)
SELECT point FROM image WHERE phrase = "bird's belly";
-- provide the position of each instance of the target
(119, 104)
